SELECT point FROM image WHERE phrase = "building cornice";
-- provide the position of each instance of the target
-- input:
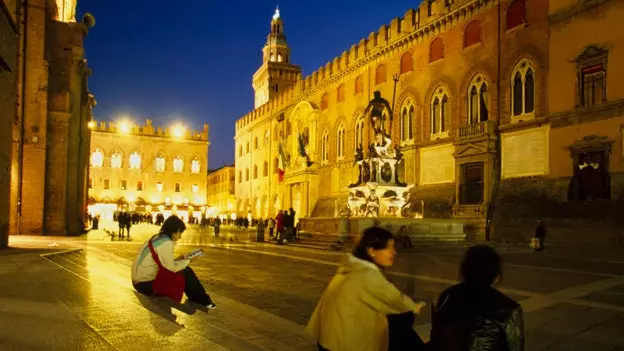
(568, 12)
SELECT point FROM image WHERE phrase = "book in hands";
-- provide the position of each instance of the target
(194, 254)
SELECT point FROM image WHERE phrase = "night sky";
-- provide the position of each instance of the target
(193, 61)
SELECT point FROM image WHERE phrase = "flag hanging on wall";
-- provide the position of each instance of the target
(281, 166)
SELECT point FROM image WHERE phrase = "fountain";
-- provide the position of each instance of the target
(379, 191)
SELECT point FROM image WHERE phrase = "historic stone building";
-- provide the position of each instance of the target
(8, 102)
(568, 165)
(221, 199)
(49, 132)
(461, 70)
(146, 168)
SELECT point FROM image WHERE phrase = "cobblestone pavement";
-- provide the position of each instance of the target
(573, 300)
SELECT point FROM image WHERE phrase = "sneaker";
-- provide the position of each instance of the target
(211, 306)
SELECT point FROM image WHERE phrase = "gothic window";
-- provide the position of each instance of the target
(159, 163)
(325, 147)
(195, 188)
(178, 164)
(592, 71)
(246, 174)
(195, 166)
(178, 187)
(407, 63)
(324, 101)
(255, 172)
(97, 158)
(516, 14)
(472, 34)
(359, 132)
(340, 94)
(523, 83)
(440, 112)
(340, 141)
(116, 160)
(159, 187)
(436, 50)
(265, 169)
(407, 120)
(359, 85)
(478, 100)
(135, 160)
(380, 74)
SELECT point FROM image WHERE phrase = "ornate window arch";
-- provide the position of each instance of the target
(195, 165)
(325, 147)
(478, 100)
(523, 88)
(178, 164)
(160, 163)
(340, 141)
(407, 120)
(472, 33)
(359, 132)
(116, 159)
(135, 160)
(407, 63)
(97, 158)
(436, 50)
(440, 112)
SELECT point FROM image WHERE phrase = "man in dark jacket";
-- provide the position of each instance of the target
(540, 235)
(472, 315)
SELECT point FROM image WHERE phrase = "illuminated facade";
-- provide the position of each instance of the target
(144, 168)
(221, 199)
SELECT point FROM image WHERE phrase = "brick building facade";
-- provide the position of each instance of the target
(50, 134)
(455, 65)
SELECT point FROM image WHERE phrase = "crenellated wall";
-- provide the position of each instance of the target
(148, 129)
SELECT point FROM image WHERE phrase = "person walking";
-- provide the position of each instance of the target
(352, 312)
(540, 235)
(474, 316)
(145, 268)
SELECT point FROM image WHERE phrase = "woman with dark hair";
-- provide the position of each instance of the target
(472, 315)
(145, 268)
(351, 315)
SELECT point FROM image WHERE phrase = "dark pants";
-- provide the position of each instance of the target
(271, 232)
(193, 289)
(540, 242)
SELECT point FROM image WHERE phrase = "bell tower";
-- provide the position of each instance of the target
(276, 72)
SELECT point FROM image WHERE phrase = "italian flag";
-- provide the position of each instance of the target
(281, 164)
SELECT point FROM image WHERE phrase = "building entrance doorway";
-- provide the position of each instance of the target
(591, 176)
(471, 185)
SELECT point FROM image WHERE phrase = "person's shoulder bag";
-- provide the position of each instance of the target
(167, 283)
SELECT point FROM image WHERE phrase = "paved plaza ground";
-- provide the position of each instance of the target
(74, 293)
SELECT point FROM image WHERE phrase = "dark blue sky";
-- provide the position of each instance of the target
(193, 61)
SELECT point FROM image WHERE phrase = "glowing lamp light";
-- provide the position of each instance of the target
(91, 125)
(124, 127)
(178, 131)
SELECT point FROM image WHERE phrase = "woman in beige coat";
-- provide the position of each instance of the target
(351, 315)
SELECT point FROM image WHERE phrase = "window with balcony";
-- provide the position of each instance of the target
(97, 158)
(178, 164)
(523, 83)
(116, 160)
(135, 160)
(478, 100)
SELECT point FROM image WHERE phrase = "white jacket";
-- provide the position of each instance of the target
(144, 268)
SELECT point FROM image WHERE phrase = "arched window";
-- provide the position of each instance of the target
(272, 57)
(436, 50)
(159, 163)
(178, 164)
(380, 74)
(246, 174)
(135, 160)
(340, 94)
(516, 14)
(478, 100)
(97, 158)
(247, 148)
(255, 172)
(265, 169)
(407, 63)
(472, 33)
(359, 85)
(407, 120)
(324, 101)
(523, 87)
(240, 176)
(280, 58)
(325, 147)
(359, 132)
(440, 112)
(195, 166)
(256, 144)
(116, 160)
(240, 150)
(340, 141)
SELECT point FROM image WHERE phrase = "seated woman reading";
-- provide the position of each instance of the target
(144, 268)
